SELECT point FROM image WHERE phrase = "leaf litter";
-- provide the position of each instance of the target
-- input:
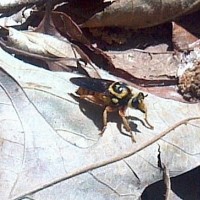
(68, 133)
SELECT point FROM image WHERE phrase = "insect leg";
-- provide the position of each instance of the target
(126, 123)
(145, 118)
(143, 108)
(105, 118)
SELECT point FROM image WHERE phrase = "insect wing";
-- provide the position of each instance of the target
(93, 84)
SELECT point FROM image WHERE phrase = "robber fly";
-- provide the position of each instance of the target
(113, 96)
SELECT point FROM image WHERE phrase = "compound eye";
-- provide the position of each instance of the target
(138, 100)
(135, 103)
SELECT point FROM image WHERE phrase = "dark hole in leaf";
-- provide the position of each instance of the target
(185, 186)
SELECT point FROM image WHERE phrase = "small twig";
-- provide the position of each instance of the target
(167, 182)
(103, 163)
(153, 52)
(142, 51)
(166, 176)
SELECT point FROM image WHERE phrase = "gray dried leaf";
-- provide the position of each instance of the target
(39, 43)
(6, 5)
(53, 140)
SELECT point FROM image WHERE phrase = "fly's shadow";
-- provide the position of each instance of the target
(90, 110)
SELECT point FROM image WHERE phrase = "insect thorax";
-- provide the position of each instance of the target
(120, 93)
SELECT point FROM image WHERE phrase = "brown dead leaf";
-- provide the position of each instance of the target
(145, 60)
(80, 10)
(186, 32)
(182, 38)
(66, 26)
(140, 14)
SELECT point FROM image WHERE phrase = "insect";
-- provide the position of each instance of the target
(113, 96)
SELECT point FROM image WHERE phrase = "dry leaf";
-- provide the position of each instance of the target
(6, 5)
(182, 38)
(140, 14)
(67, 26)
(186, 32)
(53, 140)
(38, 43)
